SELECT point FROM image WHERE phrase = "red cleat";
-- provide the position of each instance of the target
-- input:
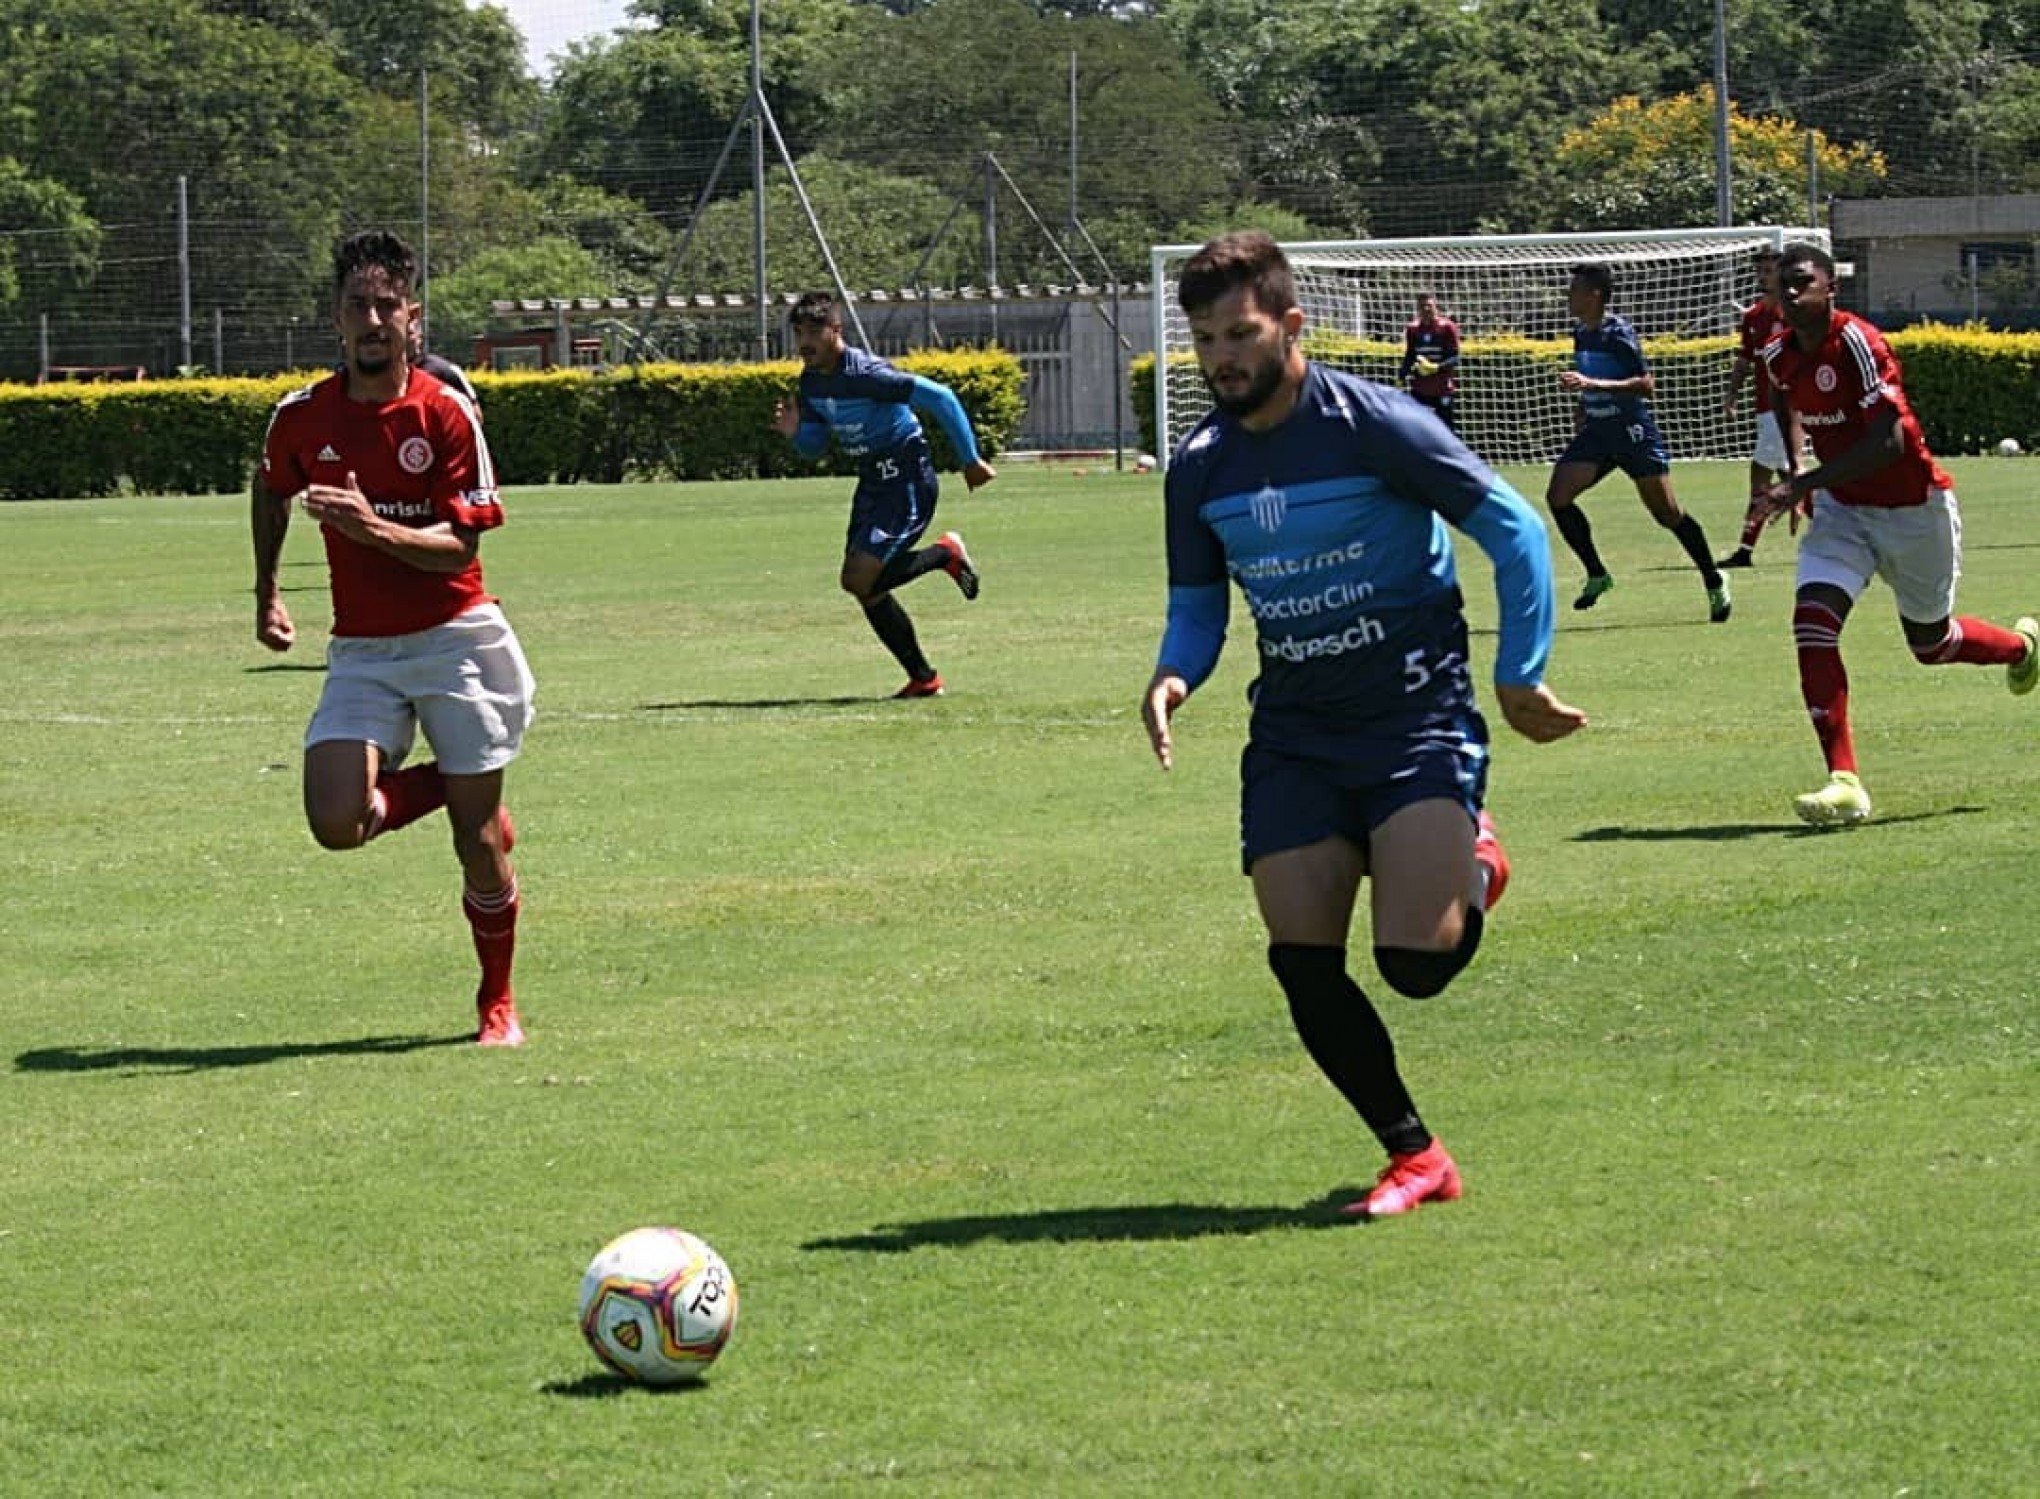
(959, 564)
(1487, 848)
(922, 687)
(506, 828)
(499, 1025)
(1408, 1181)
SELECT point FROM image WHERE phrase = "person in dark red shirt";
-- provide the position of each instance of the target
(1880, 507)
(1430, 361)
(1776, 440)
(392, 464)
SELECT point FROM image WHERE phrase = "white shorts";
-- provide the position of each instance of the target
(1771, 451)
(465, 682)
(1917, 550)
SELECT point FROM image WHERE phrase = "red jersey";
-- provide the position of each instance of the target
(1759, 321)
(1437, 341)
(1836, 390)
(421, 460)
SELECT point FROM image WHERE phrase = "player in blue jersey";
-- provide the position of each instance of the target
(868, 408)
(1325, 498)
(1617, 430)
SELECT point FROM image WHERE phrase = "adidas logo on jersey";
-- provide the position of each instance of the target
(327, 455)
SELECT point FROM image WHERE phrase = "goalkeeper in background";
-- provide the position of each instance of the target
(1430, 361)
(1617, 430)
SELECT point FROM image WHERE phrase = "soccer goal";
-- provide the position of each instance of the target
(1684, 289)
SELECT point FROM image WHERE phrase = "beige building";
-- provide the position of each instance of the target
(1950, 259)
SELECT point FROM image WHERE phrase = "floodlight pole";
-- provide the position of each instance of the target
(756, 113)
(1724, 196)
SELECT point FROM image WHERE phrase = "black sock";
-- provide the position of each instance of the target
(1572, 525)
(1347, 1040)
(890, 624)
(908, 566)
(1694, 540)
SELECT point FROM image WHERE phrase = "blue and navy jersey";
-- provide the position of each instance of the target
(1610, 352)
(863, 404)
(1333, 525)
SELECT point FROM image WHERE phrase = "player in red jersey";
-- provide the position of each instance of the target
(1430, 361)
(1880, 506)
(392, 465)
(1776, 440)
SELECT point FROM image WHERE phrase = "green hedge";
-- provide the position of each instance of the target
(1970, 386)
(643, 421)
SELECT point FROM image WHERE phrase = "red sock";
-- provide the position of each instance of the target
(492, 916)
(1974, 642)
(1752, 526)
(401, 797)
(1824, 682)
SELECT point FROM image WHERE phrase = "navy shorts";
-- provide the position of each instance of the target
(1291, 801)
(1636, 447)
(894, 503)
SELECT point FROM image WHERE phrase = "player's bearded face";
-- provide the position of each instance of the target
(374, 319)
(819, 346)
(1242, 352)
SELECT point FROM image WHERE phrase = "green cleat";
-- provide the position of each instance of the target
(2023, 675)
(1719, 604)
(1841, 803)
(1591, 594)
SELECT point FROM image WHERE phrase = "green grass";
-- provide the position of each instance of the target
(948, 1024)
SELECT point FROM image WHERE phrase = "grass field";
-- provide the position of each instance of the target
(948, 1024)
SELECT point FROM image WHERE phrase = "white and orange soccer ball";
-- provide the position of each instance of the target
(657, 1306)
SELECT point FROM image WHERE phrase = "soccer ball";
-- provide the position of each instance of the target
(2009, 448)
(657, 1305)
(1144, 464)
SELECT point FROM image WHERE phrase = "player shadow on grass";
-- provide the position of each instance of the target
(207, 1058)
(1175, 1220)
(765, 702)
(1726, 832)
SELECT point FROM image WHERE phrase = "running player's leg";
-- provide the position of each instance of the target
(363, 724)
(1429, 895)
(1655, 489)
(886, 519)
(475, 703)
(1572, 477)
(1306, 892)
(340, 776)
(1920, 556)
(1836, 563)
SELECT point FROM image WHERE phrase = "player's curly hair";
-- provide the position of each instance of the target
(1806, 252)
(375, 247)
(814, 309)
(1245, 257)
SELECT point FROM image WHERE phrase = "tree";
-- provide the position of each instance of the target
(47, 240)
(1638, 165)
(547, 266)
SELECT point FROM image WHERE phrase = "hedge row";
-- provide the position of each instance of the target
(636, 422)
(1970, 386)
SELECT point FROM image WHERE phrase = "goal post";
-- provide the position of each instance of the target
(1684, 289)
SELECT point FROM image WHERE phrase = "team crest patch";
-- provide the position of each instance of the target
(1269, 505)
(414, 455)
(1824, 377)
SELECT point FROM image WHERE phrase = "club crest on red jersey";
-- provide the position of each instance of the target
(414, 455)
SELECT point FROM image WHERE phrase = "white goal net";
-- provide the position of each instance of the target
(1683, 289)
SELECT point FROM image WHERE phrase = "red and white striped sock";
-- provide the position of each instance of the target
(492, 917)
(1824, 682)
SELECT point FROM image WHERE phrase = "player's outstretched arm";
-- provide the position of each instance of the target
(1536, 714)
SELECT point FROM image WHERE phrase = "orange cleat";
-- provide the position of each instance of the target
(1408, 1181)
(922, 687)
(1487, 848)
(959, 564)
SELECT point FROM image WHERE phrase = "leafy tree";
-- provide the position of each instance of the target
(47, 239)
(1639, 165)
(879, 226)
(547, 266)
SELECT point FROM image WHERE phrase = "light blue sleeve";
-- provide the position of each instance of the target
(1195, 633)
(939, 401)
(1512, 535)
